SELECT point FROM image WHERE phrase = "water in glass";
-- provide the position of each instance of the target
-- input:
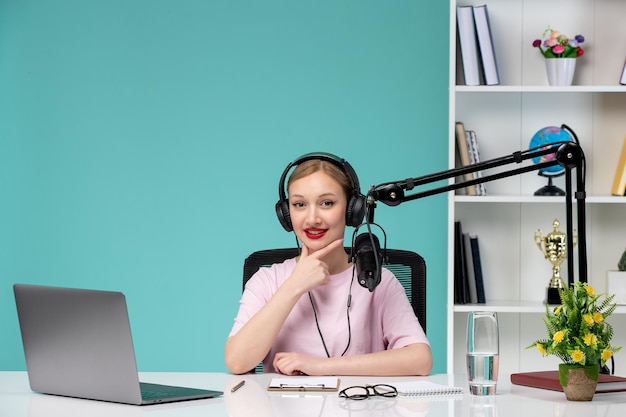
(482, 352)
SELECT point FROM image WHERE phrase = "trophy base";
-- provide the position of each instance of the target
(553, 296)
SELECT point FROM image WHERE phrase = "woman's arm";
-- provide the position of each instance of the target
(245, 349)
(249, 346)
(414, 359)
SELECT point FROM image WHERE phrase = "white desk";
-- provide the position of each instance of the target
(253, 400)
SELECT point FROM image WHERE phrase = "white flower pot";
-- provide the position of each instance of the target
(616, 284)
(560, 70)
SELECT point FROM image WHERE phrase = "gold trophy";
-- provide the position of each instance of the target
(554, 247)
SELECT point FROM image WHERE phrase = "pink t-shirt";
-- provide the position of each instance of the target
(379, 320)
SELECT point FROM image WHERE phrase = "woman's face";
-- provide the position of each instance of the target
(317, 206)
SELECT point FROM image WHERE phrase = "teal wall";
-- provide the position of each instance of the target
(141, 142)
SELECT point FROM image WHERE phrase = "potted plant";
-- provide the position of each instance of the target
(560, 52)
(580, 336)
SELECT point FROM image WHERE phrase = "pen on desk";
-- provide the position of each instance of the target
(236, 387)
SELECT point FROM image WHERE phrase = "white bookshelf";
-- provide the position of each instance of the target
(505, 118)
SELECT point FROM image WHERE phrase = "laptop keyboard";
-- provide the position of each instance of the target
(154, 395)
(156, 391)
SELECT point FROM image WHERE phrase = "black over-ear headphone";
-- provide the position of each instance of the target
(356, 202)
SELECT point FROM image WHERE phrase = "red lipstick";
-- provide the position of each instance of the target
(315, 233)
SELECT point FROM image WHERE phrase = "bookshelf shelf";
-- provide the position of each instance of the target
(514, 307)
(505, 117)
(607, 199)
(491, 89)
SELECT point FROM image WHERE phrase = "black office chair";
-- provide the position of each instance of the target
(408, 267)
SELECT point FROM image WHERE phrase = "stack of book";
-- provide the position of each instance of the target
(476, 41)
(468, 273)
(468, 153)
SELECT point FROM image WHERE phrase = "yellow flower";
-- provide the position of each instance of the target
(578, 356)
(541, 349)
(558, 336)
(590, 339)
(578, 332)
(597, 317)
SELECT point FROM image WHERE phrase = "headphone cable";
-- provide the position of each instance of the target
(317, 324)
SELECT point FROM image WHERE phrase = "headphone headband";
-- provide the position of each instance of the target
(324, 156)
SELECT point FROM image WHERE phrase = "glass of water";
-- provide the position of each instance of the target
(482, 352)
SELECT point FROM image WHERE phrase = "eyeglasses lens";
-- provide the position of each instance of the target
(362, 393)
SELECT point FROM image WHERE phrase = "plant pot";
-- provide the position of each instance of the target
(560, 71)
(579, 382)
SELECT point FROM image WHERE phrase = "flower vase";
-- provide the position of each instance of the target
(579, 382)
(560, 70)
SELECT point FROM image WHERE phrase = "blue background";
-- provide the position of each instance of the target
(141, 143)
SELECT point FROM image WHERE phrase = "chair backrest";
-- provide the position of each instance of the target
(408, 267)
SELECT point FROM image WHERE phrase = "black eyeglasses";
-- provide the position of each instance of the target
(363, 393)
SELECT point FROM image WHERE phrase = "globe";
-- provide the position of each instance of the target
(550, 136)
(545, 137)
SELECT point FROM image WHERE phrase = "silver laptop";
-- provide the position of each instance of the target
(78, 343)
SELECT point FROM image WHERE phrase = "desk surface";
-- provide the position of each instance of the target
(253, 399)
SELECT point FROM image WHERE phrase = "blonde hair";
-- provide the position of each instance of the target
(314, 165)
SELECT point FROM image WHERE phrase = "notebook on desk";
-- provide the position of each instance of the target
(78, 343)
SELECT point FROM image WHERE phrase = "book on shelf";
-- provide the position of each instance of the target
(472, 144)
(550, 380)
(468, 274)
(619, 181)
(464, 155)
(460, 287)
(622, 79)
(469, 269)
(478, 270)
(485, 44)
(468, 44)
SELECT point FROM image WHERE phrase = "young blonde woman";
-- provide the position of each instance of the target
(305, 315)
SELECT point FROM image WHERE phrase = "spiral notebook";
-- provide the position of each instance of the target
(424, 388)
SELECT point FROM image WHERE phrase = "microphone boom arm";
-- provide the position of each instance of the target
(568, 154)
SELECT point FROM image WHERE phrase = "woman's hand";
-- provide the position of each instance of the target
(291, 363)
(311, 271)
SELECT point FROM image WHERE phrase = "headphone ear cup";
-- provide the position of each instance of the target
(282, 212)
(355, 210)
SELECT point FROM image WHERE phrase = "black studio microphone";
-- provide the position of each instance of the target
(368, 260)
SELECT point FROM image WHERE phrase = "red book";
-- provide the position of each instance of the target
(550, 380)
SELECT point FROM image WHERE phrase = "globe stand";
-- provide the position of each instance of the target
(550, 189)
